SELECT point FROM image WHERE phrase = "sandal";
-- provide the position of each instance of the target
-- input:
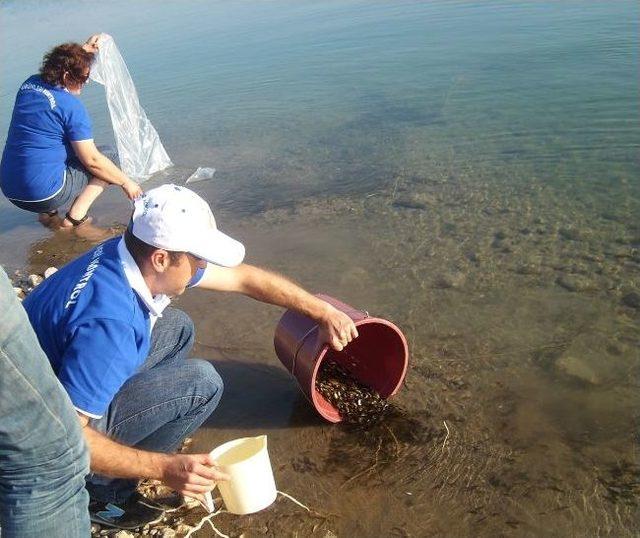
(76, 222)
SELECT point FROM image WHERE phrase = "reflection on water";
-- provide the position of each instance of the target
(467, 171)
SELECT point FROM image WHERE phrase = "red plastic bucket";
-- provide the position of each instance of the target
(378, 358)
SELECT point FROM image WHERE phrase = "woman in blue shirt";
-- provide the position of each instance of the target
(50, 159)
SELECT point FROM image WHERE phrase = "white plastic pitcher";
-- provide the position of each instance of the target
(251, 486)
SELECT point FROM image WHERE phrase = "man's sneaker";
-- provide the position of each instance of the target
(131, 514)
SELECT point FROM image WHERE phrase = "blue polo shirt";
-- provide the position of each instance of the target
(93, 318)
(45, 120)
(92, 326)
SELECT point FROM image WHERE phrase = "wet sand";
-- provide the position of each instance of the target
(520, 410)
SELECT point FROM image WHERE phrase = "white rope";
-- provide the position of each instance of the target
(447, 437)
(207, 519)
(294, 500)
(221, 534)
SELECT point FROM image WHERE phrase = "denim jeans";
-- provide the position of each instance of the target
(168, 398)
(43, 456)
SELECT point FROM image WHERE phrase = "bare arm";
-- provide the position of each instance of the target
(102, 168)
(189, 474)
(336, 328)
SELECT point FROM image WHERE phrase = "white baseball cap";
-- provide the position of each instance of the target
(177, 219)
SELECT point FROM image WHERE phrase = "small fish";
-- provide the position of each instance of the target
(356, 403)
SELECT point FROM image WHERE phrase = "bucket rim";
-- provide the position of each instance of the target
(368, 320)
(236, 442)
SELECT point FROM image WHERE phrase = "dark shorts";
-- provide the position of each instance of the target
(76, 179)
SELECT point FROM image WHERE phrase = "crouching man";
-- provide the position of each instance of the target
(120, 351)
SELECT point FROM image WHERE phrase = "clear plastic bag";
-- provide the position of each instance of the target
(200, 174)
(139, 147)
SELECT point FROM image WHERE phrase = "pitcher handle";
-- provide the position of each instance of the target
(209, 504)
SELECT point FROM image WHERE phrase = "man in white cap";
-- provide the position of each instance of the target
(120, 353)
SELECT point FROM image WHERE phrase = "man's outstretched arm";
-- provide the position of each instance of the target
(336, 328)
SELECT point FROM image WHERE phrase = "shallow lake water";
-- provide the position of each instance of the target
(467, 170)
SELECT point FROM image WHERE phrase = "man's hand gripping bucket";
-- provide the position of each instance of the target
(378, 358)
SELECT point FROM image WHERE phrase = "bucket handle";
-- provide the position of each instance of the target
(299, 347)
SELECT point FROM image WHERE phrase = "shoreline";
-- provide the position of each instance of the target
(521, 332)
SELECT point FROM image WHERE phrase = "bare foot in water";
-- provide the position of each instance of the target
(84, 230)
(50, 220)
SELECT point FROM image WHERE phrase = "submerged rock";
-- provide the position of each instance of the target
(571, 233)
(615, 217)
(528, 269)
(500, 235)
(596, 358)
(502, 242)
(473, 256)
(632, 300)
(455, 279)
(576, 367)
(620, 253)
(413, 200)
(576, 283)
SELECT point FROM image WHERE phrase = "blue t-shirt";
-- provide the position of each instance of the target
(45, 120)
(92, 325)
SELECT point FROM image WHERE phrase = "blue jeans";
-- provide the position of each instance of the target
(167, 399)
(43, 456)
